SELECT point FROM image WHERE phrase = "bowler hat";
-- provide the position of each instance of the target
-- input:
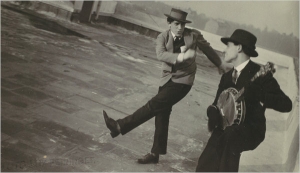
(178, 15)
(244, 38)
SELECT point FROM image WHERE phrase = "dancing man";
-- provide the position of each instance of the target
(176, 48)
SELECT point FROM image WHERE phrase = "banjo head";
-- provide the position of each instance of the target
(232, 112)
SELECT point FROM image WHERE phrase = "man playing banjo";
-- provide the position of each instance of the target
(237, 116)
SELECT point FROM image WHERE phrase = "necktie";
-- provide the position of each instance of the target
(178, 42)
(234, 75)
(177, 39)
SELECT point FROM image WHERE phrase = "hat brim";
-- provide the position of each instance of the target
(225, 40)
(183, 21)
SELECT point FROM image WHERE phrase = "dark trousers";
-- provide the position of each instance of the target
(159, 106)
(223, 150)
(219, 154)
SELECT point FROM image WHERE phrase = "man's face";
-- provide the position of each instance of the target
(177, 27)
(231, 52)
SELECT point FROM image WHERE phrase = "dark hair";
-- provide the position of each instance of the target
(244, 48)
(170, 20)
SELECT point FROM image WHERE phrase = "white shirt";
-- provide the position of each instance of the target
(240, 67)
(175, 36)
(180, 56)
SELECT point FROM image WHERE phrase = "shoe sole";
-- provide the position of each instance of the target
(113, 135)
(141, 161)
(152, 162)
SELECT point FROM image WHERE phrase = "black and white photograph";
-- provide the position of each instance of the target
(149, 86)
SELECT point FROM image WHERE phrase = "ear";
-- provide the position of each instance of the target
(240, 48)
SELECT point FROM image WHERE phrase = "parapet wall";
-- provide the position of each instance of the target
(62, 10)
(282, 136)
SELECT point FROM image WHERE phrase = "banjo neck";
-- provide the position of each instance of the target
(264, 70)
(239, 94)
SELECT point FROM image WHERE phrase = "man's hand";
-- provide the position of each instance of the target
(214, 118)
(225, 67)
(190, 53)
(183, 49)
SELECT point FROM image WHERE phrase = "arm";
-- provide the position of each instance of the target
(274, 97)
(213, 112)
(203, 45)
(170, 57)
(162, 53)
(267, 91)
(219, 91)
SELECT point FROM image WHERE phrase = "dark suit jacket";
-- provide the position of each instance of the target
(182, 72)
(254, 126)
(222, 152)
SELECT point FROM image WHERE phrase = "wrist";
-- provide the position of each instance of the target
(221, 65)
(180, 58)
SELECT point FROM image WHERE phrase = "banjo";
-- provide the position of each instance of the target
(232, 105)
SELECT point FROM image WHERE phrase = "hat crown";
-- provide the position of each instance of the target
(244, 37)
(178, 15)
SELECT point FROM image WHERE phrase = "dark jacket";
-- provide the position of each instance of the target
(222, 152)
(273, 97)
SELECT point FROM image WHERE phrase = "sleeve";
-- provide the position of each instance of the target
(219, 91)
(205, 47)
(162, 53)
(273, 96)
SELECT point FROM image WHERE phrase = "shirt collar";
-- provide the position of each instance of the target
(175, 36)
(240, 67)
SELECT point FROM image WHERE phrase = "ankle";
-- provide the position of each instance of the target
(154, 154)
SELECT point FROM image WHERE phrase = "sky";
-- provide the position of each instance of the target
(282, 16)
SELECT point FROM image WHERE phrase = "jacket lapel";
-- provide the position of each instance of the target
(228, 79)
(247, 73)
(188, 39)
(170, 41)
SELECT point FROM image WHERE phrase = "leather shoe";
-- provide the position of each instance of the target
(149, 158)
(111, 124)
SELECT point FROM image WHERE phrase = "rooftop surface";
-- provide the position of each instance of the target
(56, 79)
